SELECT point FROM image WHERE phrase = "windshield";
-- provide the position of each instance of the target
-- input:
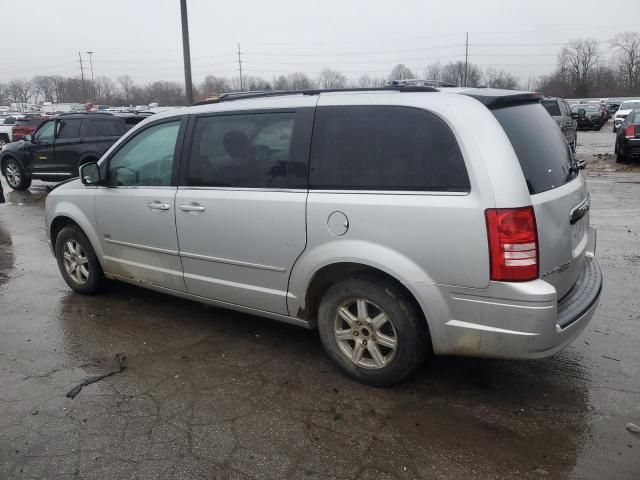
(630, 105)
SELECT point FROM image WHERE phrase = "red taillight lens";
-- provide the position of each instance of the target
(630, 131)
(513, 244)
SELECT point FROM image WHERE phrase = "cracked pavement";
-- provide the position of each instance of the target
(210, 393)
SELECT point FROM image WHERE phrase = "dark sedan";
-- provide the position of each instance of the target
(589, 116)
(628, 138)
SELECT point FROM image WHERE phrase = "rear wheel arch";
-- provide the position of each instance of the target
(330, 274)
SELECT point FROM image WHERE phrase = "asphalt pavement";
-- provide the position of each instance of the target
(210, 393)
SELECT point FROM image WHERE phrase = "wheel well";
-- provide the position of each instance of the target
(58, 224)
(329, 274)
(5, 159)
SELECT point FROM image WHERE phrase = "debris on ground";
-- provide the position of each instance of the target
(120, 358)
(633, 428)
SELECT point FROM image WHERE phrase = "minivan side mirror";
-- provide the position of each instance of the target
(581, 112)
(90, 174)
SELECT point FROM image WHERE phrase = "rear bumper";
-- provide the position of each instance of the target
(517, 320)
(631, 147)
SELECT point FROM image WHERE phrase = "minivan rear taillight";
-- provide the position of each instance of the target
(513, 244)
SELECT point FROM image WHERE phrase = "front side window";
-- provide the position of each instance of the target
(147, 159)
(69, 128)
(45, 132)
(252, 150)
(384, 148)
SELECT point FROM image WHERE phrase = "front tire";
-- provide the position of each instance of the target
(372, 331)
(16, 176)
(77, 261)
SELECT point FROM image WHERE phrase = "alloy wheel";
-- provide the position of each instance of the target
(12, 173)
(76, 262)
(365, 334)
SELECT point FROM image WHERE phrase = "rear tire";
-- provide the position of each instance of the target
(16, 176)
(372, 331)
(77, 261)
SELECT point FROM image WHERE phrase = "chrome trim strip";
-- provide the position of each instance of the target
(486, 328)
(228, 261)
(245, 189)
(141, 247)
(51, 174)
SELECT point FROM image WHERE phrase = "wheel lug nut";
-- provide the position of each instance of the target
(364, 342)
(355, 334)
(358, 322)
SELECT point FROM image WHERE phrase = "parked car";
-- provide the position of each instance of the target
(26, 126)
(589, 116)
(564, 117)
(58, 147)
(624, 110)
(387, 220)
(628, 138)
(6, 130)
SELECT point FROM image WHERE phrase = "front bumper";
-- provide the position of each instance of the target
(517, 320)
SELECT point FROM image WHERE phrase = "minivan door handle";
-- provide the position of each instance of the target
(192, 207)
(157, 205)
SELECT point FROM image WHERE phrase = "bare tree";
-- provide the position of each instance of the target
(627, 57)
(45, 86)
(4, 93)
(454, 72)
(20, 90)
(127, 84)
(212, 86)
(364, 81)
(299, 81)
(401, 72)
(500, 79)
(280, 83)
(105, 89)
(433, 71)
(579, 58)
(331, 79)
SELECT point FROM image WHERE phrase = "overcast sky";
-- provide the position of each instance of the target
(143, 38)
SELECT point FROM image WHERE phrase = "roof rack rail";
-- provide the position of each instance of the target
(418, 82)
(227, 97)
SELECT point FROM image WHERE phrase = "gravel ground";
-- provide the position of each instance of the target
(210, 393)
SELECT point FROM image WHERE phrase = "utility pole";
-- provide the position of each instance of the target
(186, 53)
(240, 65)
(84, 98)
(466, 60)
(93, 83)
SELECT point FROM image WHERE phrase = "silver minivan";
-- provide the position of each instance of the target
(400, 222)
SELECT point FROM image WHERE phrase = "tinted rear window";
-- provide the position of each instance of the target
(108, 128)
(543, 152)
(384, 148)
(552, 107)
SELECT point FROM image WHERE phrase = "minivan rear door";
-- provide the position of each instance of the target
(558, 191)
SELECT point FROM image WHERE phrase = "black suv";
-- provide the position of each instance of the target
(58, 147)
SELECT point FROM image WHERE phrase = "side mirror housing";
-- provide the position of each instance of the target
(582, 112)
(90, 174)
(27, 138)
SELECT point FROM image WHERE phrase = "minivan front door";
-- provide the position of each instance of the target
(135, 210)
(241, 212)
